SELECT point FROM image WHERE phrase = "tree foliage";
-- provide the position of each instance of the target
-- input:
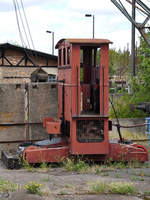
(140, 85)
(119, 62)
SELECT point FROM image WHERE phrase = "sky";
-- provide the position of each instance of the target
(66, 18)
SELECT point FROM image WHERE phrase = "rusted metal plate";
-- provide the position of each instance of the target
(84, 41)
(35, 154)
(127, 152)
(53, 127)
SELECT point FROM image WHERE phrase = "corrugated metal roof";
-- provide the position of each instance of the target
(85, 41)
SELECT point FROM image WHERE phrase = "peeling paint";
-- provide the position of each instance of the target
(7, 117)
(2, 128)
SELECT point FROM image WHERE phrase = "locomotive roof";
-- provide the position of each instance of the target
(84, 41)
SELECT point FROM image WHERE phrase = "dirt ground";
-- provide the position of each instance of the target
(59, 184)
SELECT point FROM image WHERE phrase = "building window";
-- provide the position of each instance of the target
(68, 55)
(59, 57)
(52, 78)
(64, 56)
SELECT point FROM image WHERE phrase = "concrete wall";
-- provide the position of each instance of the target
(129, 122)
(42, 103)
(22, 109)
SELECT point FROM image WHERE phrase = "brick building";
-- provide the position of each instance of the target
(17, 64)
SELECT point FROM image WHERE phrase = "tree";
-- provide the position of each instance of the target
(119, 62)
(140, 85)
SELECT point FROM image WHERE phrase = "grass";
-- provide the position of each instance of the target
(98, 187)
(133, 178)
(105, 174)
(122, 188)
(47, 179)
(7, 186)
(120, 165)
(147, 193)
(33, 187)
(113, 188)
(141, 179)
(77, 166)
(103, 169)
(43, 165)
(117, 175)
(27, 166)
(97, 170)
(124, 165)
(63, 192)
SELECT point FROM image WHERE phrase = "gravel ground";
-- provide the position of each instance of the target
(59, 184)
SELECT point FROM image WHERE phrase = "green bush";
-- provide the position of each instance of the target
(6, 186)
(122, 188)
(140, 85)
(79, 165)
(113, 188)
(33, 187)
(122, 107)
(98, 187)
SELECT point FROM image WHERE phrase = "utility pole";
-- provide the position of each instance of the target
(133, 40)
(52, 40)
(93, 24)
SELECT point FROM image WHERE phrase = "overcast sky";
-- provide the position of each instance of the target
(67, 19)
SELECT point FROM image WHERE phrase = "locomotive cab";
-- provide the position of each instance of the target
(83, 94)
(82, 125)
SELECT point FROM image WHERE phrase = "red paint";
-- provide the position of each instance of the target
(35, 154)
(53, 127)
(84, 123)
(124, 152)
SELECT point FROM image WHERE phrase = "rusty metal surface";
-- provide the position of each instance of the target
(35, 154)
(130, 152)
(84, 41)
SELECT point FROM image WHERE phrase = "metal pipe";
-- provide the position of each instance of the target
(132, 126)
(52, 43)
(77, 91)
(93, 26)
(118, 124)
(89, 15)
(52, 40)
(19, 124)
(20, 141)
(103, 88)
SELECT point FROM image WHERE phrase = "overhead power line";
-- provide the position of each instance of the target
(27, 24)
(24, 30)
(22, 23)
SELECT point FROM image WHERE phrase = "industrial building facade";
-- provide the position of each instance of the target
(17, 64)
